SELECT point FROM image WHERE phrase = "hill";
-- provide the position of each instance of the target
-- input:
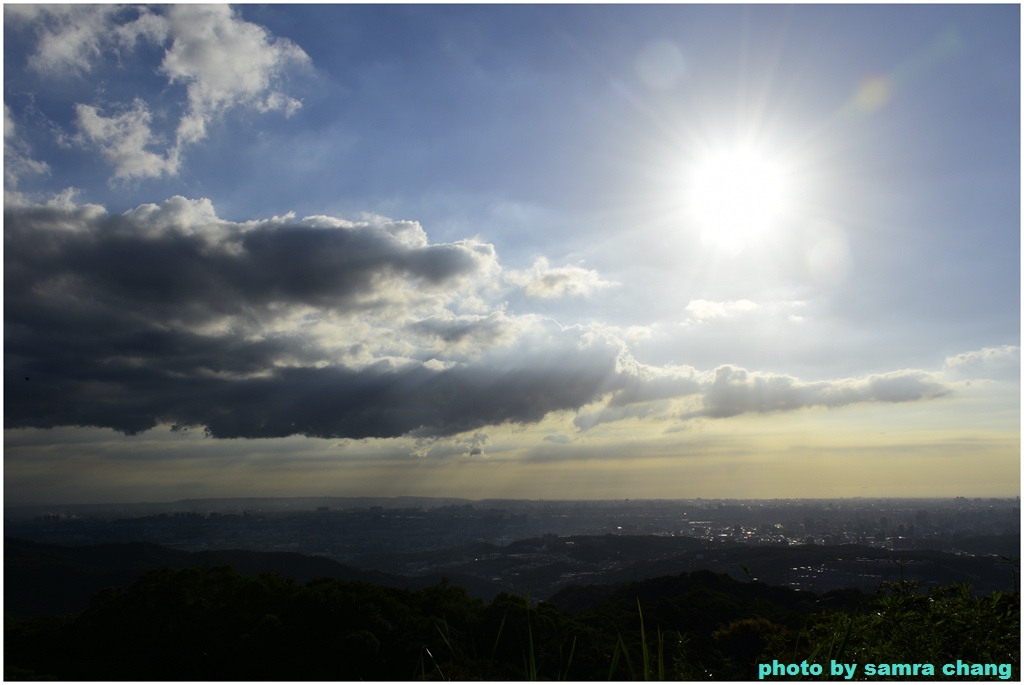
(42, 579)
(212, 623)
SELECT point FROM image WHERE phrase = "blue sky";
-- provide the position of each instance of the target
(515, 251)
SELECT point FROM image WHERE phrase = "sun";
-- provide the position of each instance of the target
(737, 195)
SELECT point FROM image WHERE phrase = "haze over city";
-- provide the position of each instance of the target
(536, 251)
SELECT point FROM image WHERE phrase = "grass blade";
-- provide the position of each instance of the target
(644, 651)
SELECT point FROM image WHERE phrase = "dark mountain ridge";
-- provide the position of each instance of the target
(213, 623)
(43, 579)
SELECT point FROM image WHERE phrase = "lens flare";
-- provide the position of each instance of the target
(873, 93)
(660, 65)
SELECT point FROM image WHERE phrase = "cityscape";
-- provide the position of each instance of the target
(825, 544)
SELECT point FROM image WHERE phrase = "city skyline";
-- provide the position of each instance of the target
(561, 252)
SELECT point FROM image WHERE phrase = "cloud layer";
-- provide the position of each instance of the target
(167, 314)
(324, 327)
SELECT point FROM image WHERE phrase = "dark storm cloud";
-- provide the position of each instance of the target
(179, 260)
(166, 315)
(328, 402)
(452, 330)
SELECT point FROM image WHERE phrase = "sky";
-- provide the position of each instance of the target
(511, 251)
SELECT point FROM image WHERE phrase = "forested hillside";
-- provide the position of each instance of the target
(42, 579)
(214, 623)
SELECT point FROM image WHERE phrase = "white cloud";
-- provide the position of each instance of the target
(732, 391)
(644, 383)
(993, 363)
(222, 61)
(17, 155)
(544, 281)
(674, 393)
(71, 37)
(702, 311)
(225, 62)
(464, 445)
(476, 443)
(123, 140)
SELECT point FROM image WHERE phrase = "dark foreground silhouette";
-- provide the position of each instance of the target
(216, 624)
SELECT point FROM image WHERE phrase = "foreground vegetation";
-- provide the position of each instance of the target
(215, 624)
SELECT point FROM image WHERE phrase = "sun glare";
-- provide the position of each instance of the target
(736, 196)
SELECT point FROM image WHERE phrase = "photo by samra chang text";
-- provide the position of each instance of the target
(778, 669)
